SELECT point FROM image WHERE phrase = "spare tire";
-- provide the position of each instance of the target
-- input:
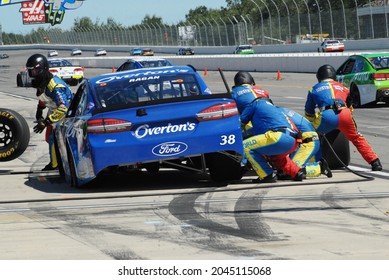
(336, 149)
(224, 166)
(14, 134)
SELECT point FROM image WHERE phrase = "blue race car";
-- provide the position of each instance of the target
(143, 62)
(150, 118)
(136, 51)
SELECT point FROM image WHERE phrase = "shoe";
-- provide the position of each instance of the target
(325, 169)
(282, 176)
(268, 179)
(376, 165)
(49, 167)
(301, 175)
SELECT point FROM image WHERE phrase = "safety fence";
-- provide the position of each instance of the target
(264, 25)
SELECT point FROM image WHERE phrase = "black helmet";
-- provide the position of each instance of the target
(325, 72)
(243, 77)
(37, 65)
(38, 70)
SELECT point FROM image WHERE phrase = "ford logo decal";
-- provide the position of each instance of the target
(169, 149)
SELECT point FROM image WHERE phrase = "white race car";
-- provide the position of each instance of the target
(62, 68)
(66, 71)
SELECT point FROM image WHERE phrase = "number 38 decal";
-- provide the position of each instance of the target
(227, 140)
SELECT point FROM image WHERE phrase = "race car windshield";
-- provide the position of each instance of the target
(59, 63)
(381, 62)
(154, 63)
(134, 90)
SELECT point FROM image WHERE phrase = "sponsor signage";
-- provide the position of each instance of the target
(169, 149)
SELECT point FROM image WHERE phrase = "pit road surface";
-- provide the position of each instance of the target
(175, 215)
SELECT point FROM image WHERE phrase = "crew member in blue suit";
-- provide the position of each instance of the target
(308, 154)
(54, 94)
(275, 135)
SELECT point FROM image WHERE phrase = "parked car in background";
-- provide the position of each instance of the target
(367, 77)
(185, 51)
(136, 51)
(52, 53)
(147, 52)
(124, 121)
(143, 62)
(331, 46)
(244, 49)
(76, 51)
(4, 56)
(100, 52)
(62, 68)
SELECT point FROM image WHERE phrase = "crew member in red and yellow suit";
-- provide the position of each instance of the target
(326, 107)
(274, 134)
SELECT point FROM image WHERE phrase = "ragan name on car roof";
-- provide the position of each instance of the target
(140, 74)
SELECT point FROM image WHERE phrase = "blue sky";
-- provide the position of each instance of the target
(126, 12)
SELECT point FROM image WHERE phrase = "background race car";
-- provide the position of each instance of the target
(244, 49)
(143, 62)
(150, 118)
(136, 51)
(185, 51)
(367, 77)
(331, 46)
(66, 71)
(59, 67)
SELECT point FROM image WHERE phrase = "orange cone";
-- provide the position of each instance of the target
(113, 69)
(205, 72)
(279, 75)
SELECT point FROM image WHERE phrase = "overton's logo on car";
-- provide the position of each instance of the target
(169, 149)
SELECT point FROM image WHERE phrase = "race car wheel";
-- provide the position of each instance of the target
(152, 167)
(355, 97)
(59, 159)
(224, 167)
(14, 134)
(19, 81)
(336, 149)
(72, 168)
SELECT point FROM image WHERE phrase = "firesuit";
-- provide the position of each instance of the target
(326, 107)
(54, 94)
(56, 98)
(274, 134)
(308, 154)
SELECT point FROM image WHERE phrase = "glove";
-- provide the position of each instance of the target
(39, 114)
(41, 125)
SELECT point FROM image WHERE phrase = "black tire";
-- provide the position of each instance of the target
(14, 134)
(152, 167)
(223, 167)
(59, 158)
(72, 168)
(338, 144)
(355, 97)
(19, 81)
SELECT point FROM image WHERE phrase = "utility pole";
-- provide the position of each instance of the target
(1, 36)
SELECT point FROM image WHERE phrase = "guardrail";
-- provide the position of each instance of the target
(299, 58)
(298, 63)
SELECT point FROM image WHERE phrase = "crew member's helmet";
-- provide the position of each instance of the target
(193, 90)
(243, 77)
(325, 72)
(38, 70)
(37, 65)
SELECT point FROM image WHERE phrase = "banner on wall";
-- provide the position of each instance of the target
(44, 11)
(57, 4)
